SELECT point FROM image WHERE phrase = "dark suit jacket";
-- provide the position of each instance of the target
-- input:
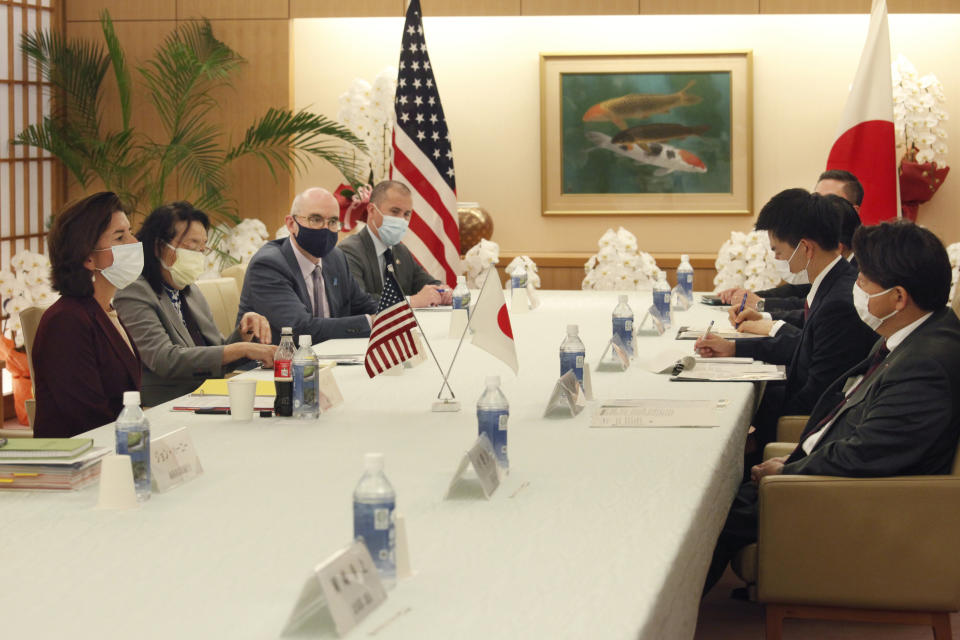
(82, 367)
(362, 257)
(788, 297)
(173, 364)
(832, 339)
(274, 288)
(904, 420)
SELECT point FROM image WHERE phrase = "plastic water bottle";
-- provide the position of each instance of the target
(685, 276)
(461, 294)
(661, 299)
(572, 353)
(373, 503)
(493, 411)
(518, 279)
(283, 374)
(306, 397)
(623, 323)
(133, 439)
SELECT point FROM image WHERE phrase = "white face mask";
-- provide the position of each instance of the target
(186, 267)
(783, 270)
(127, 264)
(861, 302)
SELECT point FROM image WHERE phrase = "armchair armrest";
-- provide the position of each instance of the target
(879, 543)
(789, 428)
(775, 449)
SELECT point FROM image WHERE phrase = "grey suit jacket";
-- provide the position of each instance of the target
(274, 288)
(904, 420)
(362, 257)
(173, 364)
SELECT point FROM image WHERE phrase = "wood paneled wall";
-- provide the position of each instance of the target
(259, 30)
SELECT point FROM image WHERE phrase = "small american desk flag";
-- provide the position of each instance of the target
(423, 157)
(391, 342)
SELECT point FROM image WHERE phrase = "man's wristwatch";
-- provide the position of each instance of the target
(760, 305)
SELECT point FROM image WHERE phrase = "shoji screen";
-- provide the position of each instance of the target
(30, 180)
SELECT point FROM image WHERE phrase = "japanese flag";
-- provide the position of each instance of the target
(865, 144)
(491, 322)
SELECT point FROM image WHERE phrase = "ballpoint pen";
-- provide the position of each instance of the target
(743, 303)
(706, 334)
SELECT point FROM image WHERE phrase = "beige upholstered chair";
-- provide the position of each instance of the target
(237, 272)
(870, 550)
(956, 303)
(224, 299)
(29, 321)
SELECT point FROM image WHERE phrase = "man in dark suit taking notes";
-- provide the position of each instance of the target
(898, 411)
(303, 281)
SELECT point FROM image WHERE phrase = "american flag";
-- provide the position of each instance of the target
(423, 158)
(391, 342)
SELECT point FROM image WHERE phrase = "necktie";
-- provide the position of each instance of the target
(387, 261)
(875, 363)
(806, 310)
(317, 292)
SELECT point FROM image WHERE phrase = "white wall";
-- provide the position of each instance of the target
(487, 70)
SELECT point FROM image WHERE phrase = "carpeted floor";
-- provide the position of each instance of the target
(723, 618)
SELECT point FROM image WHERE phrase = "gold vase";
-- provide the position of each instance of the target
(475, 224)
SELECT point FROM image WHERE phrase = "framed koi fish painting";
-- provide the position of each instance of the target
(637, 133)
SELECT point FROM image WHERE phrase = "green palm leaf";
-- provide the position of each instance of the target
(282, 137)
(119, 62)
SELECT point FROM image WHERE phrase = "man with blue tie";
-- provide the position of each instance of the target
(897, 412)
(303, 281)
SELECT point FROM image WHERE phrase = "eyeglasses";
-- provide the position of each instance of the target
(205, 250)
(317, 221)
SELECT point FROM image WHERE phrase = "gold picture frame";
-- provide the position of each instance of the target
(646, 133)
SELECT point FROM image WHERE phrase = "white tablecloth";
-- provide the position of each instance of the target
(610, 539)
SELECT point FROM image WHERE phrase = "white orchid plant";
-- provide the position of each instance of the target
(746, 260)
(367, 110)
(620, 265)
(479, 258)
(26, 285)
(918, 114)
(239, 243)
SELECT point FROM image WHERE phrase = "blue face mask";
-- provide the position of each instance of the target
(316, 242)
(392, 229)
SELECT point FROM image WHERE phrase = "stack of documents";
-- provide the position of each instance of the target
(50, 463)
(686, 333)
(214, 394)
(716, 370)
(654, 412)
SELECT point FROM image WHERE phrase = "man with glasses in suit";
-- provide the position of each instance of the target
(303, 281)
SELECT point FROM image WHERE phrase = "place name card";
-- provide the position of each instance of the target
(346, 585)
(615, 356)
(656, 326)
(484, 462)
(173, 460)
(328, 391)
(567, 398)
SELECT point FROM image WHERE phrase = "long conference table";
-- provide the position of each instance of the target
(595, 533)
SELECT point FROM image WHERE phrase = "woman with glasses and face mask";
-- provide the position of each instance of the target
(170, 320)
(83, 357)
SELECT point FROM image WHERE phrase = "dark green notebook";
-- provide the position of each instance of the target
(44, 447)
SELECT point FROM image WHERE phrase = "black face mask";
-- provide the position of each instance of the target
(316, 242)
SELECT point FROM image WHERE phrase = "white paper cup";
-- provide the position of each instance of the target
(116, 483)
(242, 395)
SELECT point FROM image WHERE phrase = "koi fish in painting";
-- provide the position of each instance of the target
(637, 106)
(666, 157)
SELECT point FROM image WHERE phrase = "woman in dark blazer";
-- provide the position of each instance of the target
(83, 358)
(170, 320)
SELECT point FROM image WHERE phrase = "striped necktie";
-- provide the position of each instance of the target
(317, 292)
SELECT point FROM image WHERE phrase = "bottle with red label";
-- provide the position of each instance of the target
(283, 374)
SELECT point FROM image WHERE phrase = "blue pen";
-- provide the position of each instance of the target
(743, 303)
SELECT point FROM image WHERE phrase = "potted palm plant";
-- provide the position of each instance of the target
(192, 153)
